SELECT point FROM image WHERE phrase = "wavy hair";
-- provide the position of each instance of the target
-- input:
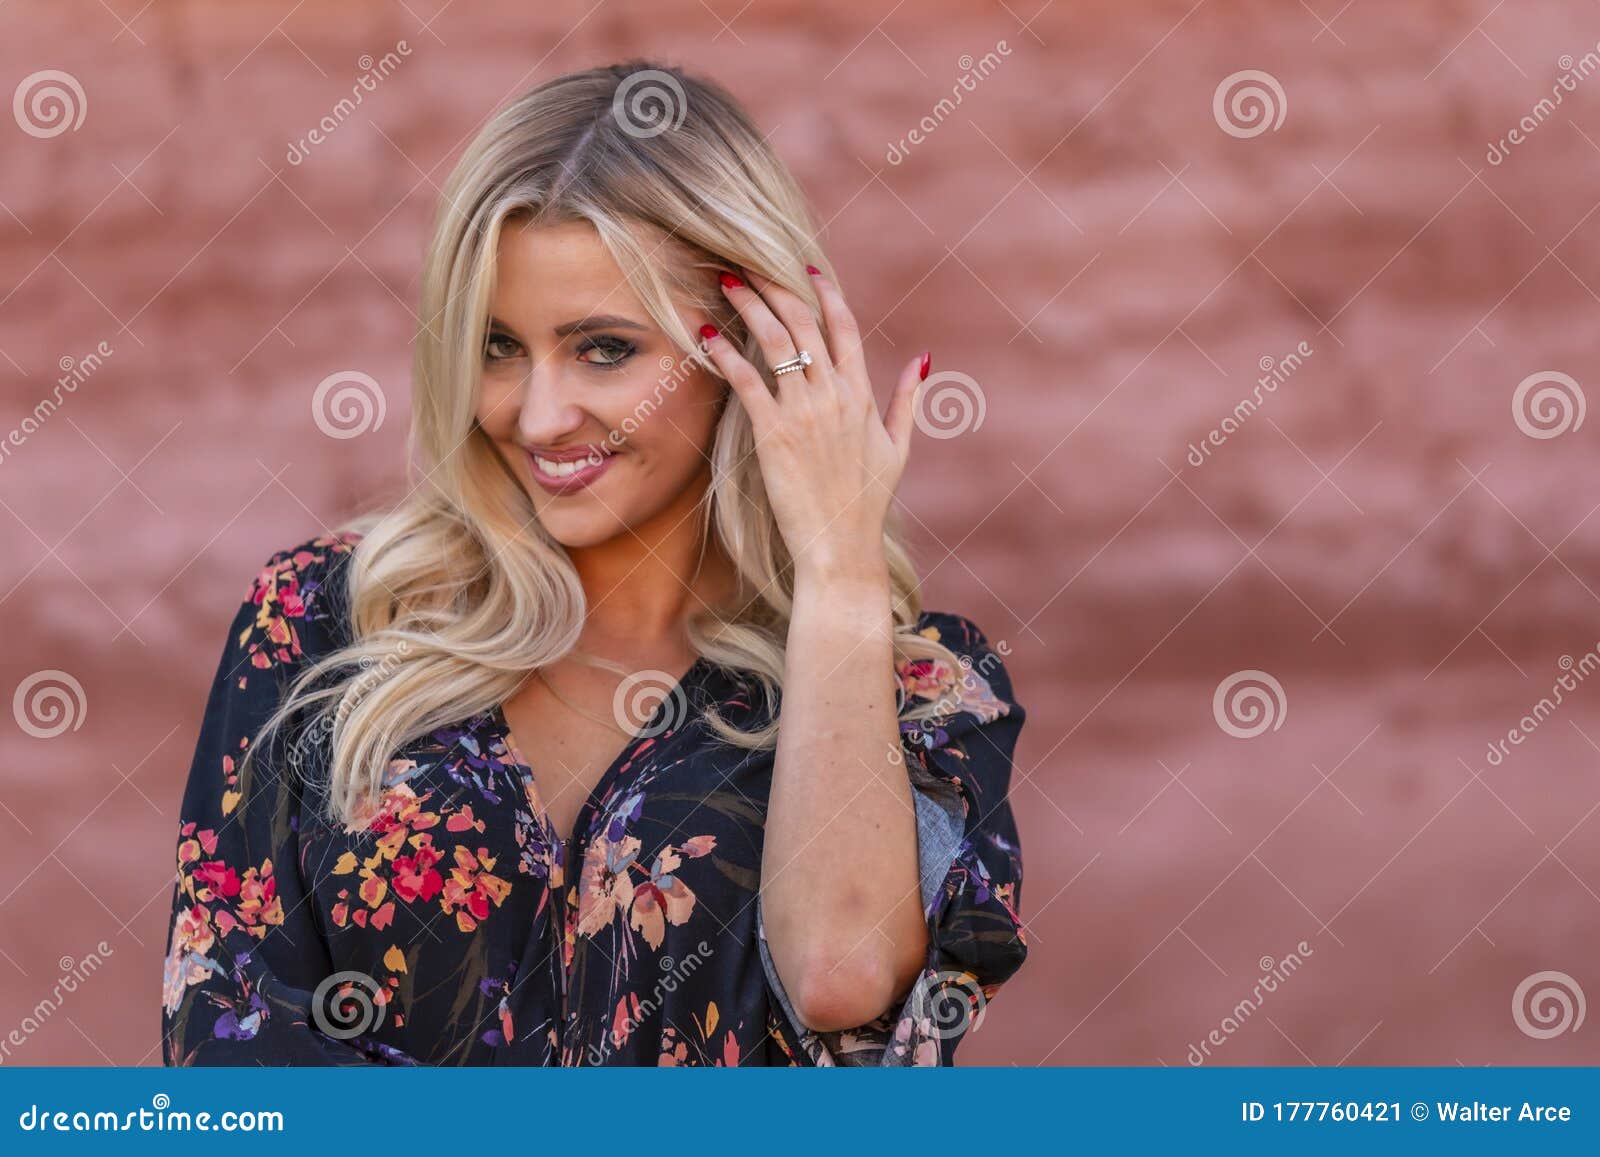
(457, 593)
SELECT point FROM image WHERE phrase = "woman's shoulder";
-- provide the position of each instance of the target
(304, 576)
(296, 600)
(309, 556)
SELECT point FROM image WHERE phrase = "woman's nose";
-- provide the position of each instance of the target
(549, 410)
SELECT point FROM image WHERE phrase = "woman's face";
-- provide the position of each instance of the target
(576, 371)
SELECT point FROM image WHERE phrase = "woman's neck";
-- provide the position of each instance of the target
(641, 594)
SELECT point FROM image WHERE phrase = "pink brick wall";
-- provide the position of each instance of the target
(1084, 240)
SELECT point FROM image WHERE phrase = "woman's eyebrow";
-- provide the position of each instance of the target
(599, 321)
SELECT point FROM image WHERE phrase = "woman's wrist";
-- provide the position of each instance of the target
(843, 566)
(848, 600)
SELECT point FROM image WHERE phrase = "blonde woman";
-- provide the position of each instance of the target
(496, 776)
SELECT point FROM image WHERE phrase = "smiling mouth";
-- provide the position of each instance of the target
(558, 477)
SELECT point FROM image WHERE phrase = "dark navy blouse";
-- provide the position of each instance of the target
(458, 928)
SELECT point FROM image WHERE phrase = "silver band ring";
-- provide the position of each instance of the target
(799, 362)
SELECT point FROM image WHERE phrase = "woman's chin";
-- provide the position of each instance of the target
(578, 529)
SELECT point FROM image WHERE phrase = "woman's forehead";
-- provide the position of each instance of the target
(550, 275)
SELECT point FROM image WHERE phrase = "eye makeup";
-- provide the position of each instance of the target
(610, 350)
(614, 351)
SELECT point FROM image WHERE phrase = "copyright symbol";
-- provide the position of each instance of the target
(1419, 1111)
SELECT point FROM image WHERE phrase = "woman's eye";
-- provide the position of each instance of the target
(613, 351)
(499, 347)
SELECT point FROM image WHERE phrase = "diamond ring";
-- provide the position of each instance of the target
(799, 362)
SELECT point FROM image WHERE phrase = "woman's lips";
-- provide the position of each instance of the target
(559, 484)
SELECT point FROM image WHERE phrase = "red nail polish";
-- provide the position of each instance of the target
(708, 332)
(813, 269)
(927, 360)
(729, 281)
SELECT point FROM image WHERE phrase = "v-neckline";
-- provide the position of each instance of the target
(653, 728)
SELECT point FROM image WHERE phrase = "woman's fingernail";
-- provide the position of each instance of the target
(813, 269)
(729, 281)
(708, 332)
(927, 360)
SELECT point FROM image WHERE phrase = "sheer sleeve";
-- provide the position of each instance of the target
(969, 856)
(246, 959)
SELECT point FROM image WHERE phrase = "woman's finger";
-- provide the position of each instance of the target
(777, 344)
(901, 415)
(805, 328)
(844, 334)
(742, 377)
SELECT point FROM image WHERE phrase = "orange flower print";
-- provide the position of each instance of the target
(400, 814)
(676, 1048)
(400, 823)
(604, 887)
(193, 842)
(660, 899)
(218, 901)
(280, 603)
(215, 880)
(472, 888)
(188, 961)
(415, 877)
(259, 904)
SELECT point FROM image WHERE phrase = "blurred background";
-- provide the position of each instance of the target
(1267, 327)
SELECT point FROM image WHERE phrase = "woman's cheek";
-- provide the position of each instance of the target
(495, 410)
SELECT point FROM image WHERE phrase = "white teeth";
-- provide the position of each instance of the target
(562, 469)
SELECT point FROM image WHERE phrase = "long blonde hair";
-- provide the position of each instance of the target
(457, 593)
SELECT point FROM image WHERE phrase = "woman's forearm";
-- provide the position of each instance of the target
(839, 887)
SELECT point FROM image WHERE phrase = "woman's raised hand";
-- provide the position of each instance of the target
(830, 462)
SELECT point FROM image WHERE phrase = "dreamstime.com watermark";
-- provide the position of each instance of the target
(1572, 71)
(372, 72)
(1577, 672)
(74, 372)
(49, 703)
(156, 1119)
(347, 1004)
(954, 1002)
(1548, 1004)
(645, 694)
(73, 973)
(1273, 973)
(972, 71)
(1249, 103)
(1247, 703)
(948, 404)
(48, 103)
(1548, 404)
(348, 404)
(1274, 372)
(649, 102)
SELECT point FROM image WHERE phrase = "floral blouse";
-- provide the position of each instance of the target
(459, 928)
